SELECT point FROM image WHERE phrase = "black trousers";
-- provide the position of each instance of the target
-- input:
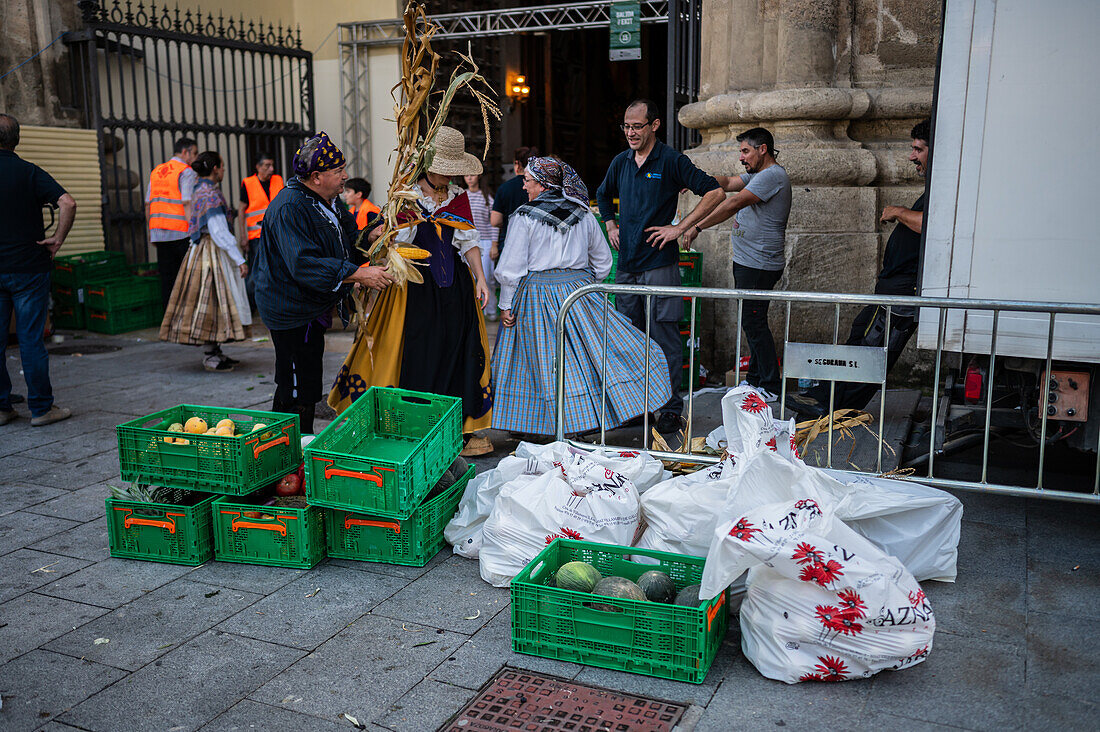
(170, 256)
(763, 370)
(869, 329)
(299, 361)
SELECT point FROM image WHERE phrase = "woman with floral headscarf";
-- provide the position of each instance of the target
(209, 305)
(554, 245)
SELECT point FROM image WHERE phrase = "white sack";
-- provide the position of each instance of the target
(748, 426)
(680, 513)
(583, 500)
(822, 602)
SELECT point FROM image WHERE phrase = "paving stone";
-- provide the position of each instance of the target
(1063, 655)
(877, 720)
(426, 706)
(40, 685)
(82, 445)
(150, 626)
(1058, 588)
(24, 570)
(20, 529)
(255, 578)
(366, 667)
(475, 661)
(973, 683)
(114, 582)
(69, 476)
(1050, 712)
(32, 620)
(185, 689)
(396, 570)
(748, 701)
(247, 715)
(446, 596)
(83, 504)
(25, 495)
(990, 508)
(312, 609)
(1063, 532)
(83, 541)
(988, 598)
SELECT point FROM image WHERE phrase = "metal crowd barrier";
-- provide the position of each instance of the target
(928, 307)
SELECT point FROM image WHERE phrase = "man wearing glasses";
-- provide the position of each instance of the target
(647, 180)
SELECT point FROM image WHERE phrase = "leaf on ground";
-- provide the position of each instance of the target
(211, 594)
(352, 720)
(249, 388)
(474, 617)
(101, 641)
(311, 594)
(424, 643)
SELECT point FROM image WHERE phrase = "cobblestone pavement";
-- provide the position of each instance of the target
(236, 647)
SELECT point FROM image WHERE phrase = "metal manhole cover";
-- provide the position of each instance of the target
(522, 701)
(84, 350)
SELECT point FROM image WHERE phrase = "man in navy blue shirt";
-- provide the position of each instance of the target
(647, 180)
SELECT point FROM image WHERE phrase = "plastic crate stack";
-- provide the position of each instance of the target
(691, 275)
(70, 275)
(191, 524)
(376, 471)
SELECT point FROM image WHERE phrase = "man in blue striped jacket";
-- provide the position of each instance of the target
(304, 269)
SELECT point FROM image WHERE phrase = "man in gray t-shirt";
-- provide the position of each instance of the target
(762, 202)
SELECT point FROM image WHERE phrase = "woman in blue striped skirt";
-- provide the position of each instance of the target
(554, 246)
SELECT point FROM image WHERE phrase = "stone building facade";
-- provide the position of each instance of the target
(38, 93)
(840, 83)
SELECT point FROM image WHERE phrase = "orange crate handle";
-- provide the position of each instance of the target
(712, 611)
(282, 439)
(94, 314)
(392, 526)
(94, 292)
(331, 470)
(279, 527)
(165, 523)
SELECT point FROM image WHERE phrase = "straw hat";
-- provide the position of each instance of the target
(451, 157)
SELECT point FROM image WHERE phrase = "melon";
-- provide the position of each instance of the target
(616, 587)
(577, 576)
(657, 586)
(689, 597)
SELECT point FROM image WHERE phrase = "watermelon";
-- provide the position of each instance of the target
(577, 576)
(689, 597)
(657, 586)
(616, 587)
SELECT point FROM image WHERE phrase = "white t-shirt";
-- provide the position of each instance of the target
(761, 228)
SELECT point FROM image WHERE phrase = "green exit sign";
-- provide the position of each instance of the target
(626, 31)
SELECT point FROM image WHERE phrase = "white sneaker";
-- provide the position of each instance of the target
(767, 395)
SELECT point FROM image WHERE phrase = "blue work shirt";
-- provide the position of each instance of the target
(647, 197)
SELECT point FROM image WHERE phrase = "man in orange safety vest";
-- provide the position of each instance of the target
(168, 211)
(256, 193)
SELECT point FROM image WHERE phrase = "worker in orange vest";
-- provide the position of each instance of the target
(356, 192)
(168, 211)
(257, 191)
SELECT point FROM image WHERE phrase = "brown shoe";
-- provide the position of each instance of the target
(8, 415)
(56, 414)
(477, 446)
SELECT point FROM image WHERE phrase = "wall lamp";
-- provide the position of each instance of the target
(517, 91)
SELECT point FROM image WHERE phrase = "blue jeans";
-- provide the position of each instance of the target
(28, 294)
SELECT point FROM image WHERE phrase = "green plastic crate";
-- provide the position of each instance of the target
(685, 318)
(122, 293)
(686, 345)
(74, 270)
(125, 319)
(655, 639)
(412, 541)
(175, 533)
(278, 537)
(67, 312)
(385, 452)
(700, 378)
(229, 465)
(691, 268)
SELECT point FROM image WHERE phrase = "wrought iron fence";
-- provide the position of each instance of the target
(938, 310)
(146, 75)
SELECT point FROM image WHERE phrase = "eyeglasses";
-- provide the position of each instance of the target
(634, 128)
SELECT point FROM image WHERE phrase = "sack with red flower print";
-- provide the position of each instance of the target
(822, 602)
(581, 500)
(748, 426)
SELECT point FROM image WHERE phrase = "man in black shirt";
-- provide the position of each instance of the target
(26, 258)
(900, 268)
(510, 196)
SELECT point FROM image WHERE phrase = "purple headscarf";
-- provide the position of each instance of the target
(326, 156)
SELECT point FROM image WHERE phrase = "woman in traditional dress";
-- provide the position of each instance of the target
(430, 337)
(209, 304)
(554, 246)
(481, 206)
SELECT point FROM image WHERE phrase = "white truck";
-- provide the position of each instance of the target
(1012, 195)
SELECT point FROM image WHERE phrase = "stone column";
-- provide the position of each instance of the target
(839, 83)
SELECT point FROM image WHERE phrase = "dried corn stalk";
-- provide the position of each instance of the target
(844, 422)
(418, 119)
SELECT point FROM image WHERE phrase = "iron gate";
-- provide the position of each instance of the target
(148, 75)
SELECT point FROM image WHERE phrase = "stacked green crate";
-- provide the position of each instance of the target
(691, 275)
(71, 273)
(123, 302)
